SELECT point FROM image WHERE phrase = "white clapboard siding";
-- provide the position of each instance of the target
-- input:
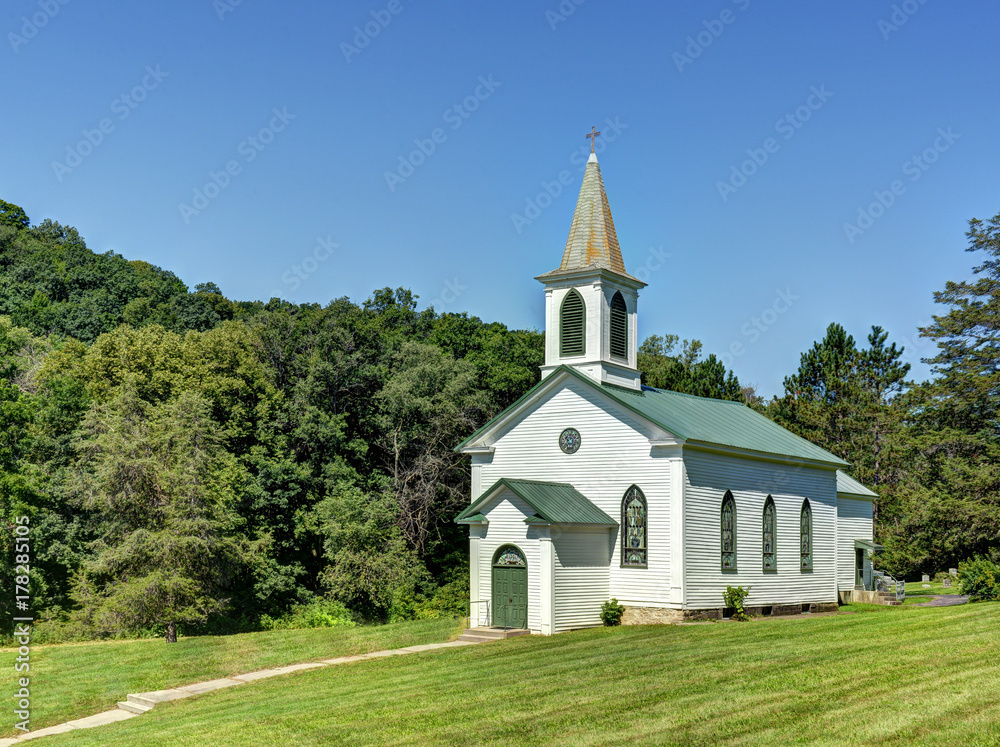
(614, 454)
(709, 475)
(506, 516)
(855, 517)
(581, 576)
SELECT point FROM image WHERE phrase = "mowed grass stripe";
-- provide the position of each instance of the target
(887, 676)
(76, 680)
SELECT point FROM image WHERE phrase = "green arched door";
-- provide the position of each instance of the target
(510, 588)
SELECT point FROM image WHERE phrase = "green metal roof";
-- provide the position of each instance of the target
(697, 420)
(717, 422)
(847, 484)
(473, 519)
(553, 502)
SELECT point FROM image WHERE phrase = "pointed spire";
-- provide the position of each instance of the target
(592, 239)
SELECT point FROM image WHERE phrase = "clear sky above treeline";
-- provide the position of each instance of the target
(771, 167)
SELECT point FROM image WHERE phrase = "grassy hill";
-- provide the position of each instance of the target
(69, 681)
(899, 676)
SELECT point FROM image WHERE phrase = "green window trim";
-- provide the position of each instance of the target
(635, 529)
(619, 327)
(728, 532)
(572, 326)
(805, 537)
(769, 557)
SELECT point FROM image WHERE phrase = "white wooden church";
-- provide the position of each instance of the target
(593, 486)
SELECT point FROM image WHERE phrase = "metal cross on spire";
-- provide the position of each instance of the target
(592, 136)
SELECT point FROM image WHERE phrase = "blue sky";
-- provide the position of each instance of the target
(740, 141)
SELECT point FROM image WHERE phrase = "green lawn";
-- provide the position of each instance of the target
(881, 676)
(75, 680)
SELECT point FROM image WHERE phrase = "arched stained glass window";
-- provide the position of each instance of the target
(769, 558)
(510, 555)
(634, 521)
(572, 325)
(806, 537)
(619, 327)
(728, 532)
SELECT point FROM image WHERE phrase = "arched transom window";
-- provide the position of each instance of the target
(510, 555)
(769, 559)
(572, 325)
(806, 537)
(634, 528)
(619, 327)
(728, 532)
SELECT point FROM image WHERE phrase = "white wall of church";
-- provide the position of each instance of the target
(614, 454)
(855, 517)
(506, 526)
(582, 557)
(709, 475)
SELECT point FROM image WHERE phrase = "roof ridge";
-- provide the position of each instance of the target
(671, 391)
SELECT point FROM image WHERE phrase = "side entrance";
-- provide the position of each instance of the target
(510, 588)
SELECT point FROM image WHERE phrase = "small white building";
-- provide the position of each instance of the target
(592, 486)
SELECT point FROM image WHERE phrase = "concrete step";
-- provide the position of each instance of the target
(141, 701)
(481, 635)
(134, 707)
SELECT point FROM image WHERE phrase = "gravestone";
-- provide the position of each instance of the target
(947, 583)
(953, 571)
(927, 586)
(925, 578)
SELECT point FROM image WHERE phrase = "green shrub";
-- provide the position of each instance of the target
(611, 613)
(733, 597)
(980, 579)
(319, 613)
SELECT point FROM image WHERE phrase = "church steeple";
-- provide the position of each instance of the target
(592, 239)
(590, 299)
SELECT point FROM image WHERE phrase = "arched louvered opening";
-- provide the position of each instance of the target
(619, 327)
(805, 537)
(728, 532)
(572, 326)
(768, 539)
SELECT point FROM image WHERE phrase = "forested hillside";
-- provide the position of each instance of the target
(220, 465)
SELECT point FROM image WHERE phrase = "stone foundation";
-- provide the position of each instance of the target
(662, 616)
(651, 616)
